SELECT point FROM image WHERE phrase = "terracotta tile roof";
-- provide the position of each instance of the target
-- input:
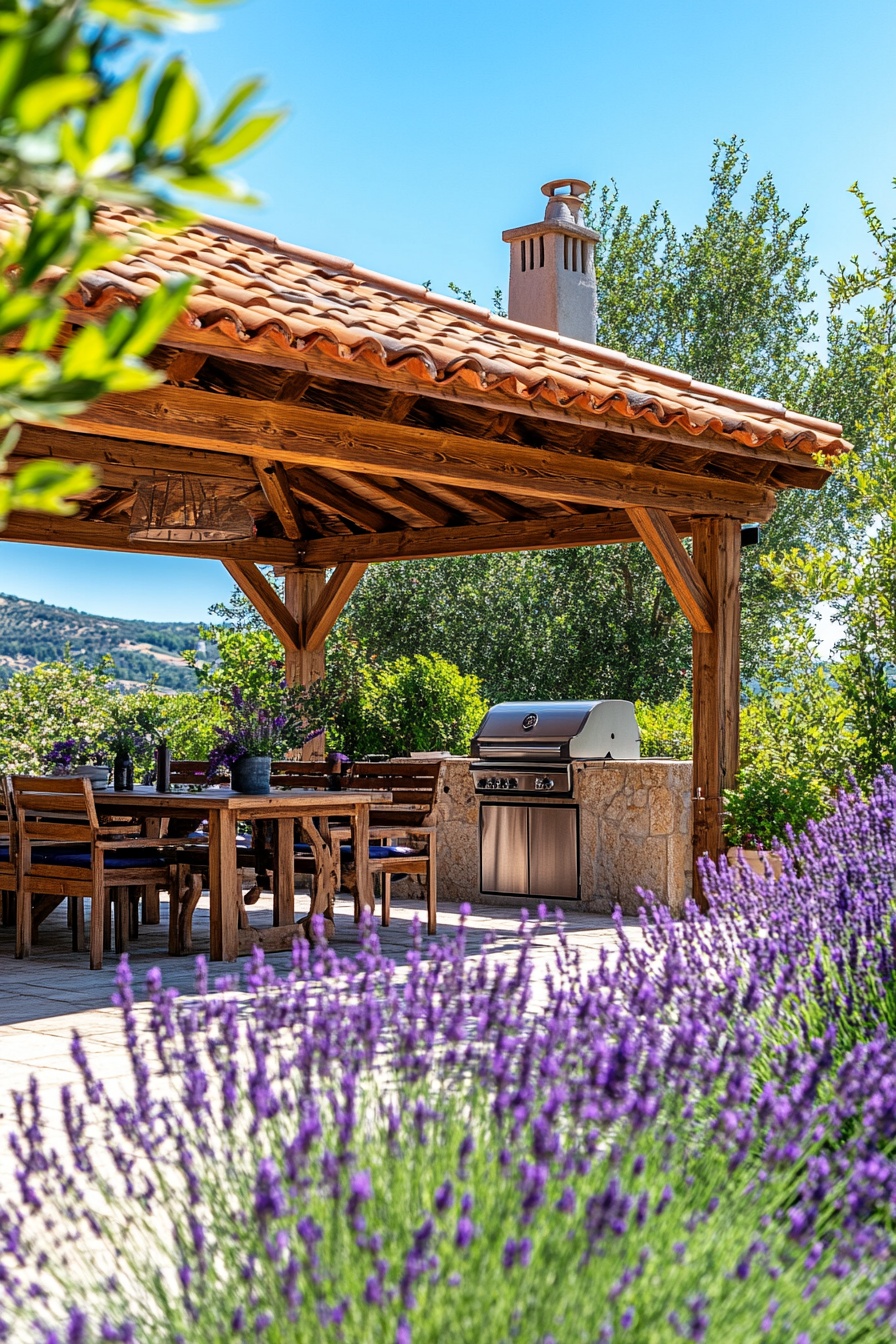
(254, 288)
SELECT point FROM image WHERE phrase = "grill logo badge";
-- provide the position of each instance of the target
(529, 722)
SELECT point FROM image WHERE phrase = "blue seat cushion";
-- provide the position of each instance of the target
(4, 853)
(80, 858)
(376, 852)
(381, 852)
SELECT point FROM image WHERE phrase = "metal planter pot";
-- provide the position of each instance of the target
(251, 774)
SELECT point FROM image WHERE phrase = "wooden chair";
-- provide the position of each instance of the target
(299, 774)
(63, 851)
(194, 774)
(402, 834)
(7, 856)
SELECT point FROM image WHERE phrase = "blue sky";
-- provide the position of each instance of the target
(419, 131)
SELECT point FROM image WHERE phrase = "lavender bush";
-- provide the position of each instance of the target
(695, 1140)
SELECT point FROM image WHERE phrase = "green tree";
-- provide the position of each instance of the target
(730, 302)
(858, 574)
(81, 122)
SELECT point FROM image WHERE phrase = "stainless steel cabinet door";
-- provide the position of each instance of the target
(504, 846)
(553, 852)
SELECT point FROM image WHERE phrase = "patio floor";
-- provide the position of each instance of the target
(43, 1000)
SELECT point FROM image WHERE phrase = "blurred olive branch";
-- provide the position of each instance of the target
(80, 126)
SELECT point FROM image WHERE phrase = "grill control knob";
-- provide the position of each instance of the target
(544, 782)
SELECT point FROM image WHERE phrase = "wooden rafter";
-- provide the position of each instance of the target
(427, 543)
(184, 366)
(267, 603)
(325, 612)
(275, 487)
(677, 567)
(317, 490)
(424, 505)
(320, 438)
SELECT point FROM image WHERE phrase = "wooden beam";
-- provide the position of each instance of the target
(348, 443)
(274, 484)
(716, 684)
(127, 455)
(302, 588)
(478, 539)
(330, 602)
(82, 534)
(266, 602)
(317, 490)
(676, 566)
(323, 368)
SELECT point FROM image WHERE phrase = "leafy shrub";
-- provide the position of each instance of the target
(691, 1139)
(767, 801)
(422, 703)
(666, 728)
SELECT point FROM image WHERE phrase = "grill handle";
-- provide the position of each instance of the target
(521, 752)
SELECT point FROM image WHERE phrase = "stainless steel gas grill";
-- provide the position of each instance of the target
(527, 750)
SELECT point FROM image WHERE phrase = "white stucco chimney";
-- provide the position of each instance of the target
(552, 265)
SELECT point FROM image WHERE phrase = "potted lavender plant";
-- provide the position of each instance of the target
(247, 744)
(78, 756)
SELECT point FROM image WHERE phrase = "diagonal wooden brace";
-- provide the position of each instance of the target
(677, 567)
(326, 610)
(266, 602)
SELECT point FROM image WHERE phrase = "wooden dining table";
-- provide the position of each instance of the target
(312, 809)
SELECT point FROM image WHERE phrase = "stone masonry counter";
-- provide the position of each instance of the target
(635, 831)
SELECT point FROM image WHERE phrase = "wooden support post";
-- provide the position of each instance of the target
(302, 591)
(716, 554)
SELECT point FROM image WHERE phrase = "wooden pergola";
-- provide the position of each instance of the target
(361, 419)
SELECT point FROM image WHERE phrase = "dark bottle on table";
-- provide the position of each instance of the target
(163, 768)
(123, 772)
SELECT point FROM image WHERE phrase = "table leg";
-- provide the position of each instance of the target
(284, 871)
(326, 861)
(152, 911)
(361, 846)
(223, 885)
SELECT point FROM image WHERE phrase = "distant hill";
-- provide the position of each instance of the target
(34, 632)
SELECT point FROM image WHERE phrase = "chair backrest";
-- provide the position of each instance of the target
(194, 774)
(299, 774)
(414, 786)
(8, 837)
(55, 808)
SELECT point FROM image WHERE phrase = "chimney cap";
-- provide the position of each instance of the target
(576, 187)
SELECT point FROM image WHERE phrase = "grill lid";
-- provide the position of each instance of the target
(559, 730)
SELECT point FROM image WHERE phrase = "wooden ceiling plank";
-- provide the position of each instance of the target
(267, 602)
(83, 534)
(326, 610)
(431, 543)
(275, 487)
(677, 568)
